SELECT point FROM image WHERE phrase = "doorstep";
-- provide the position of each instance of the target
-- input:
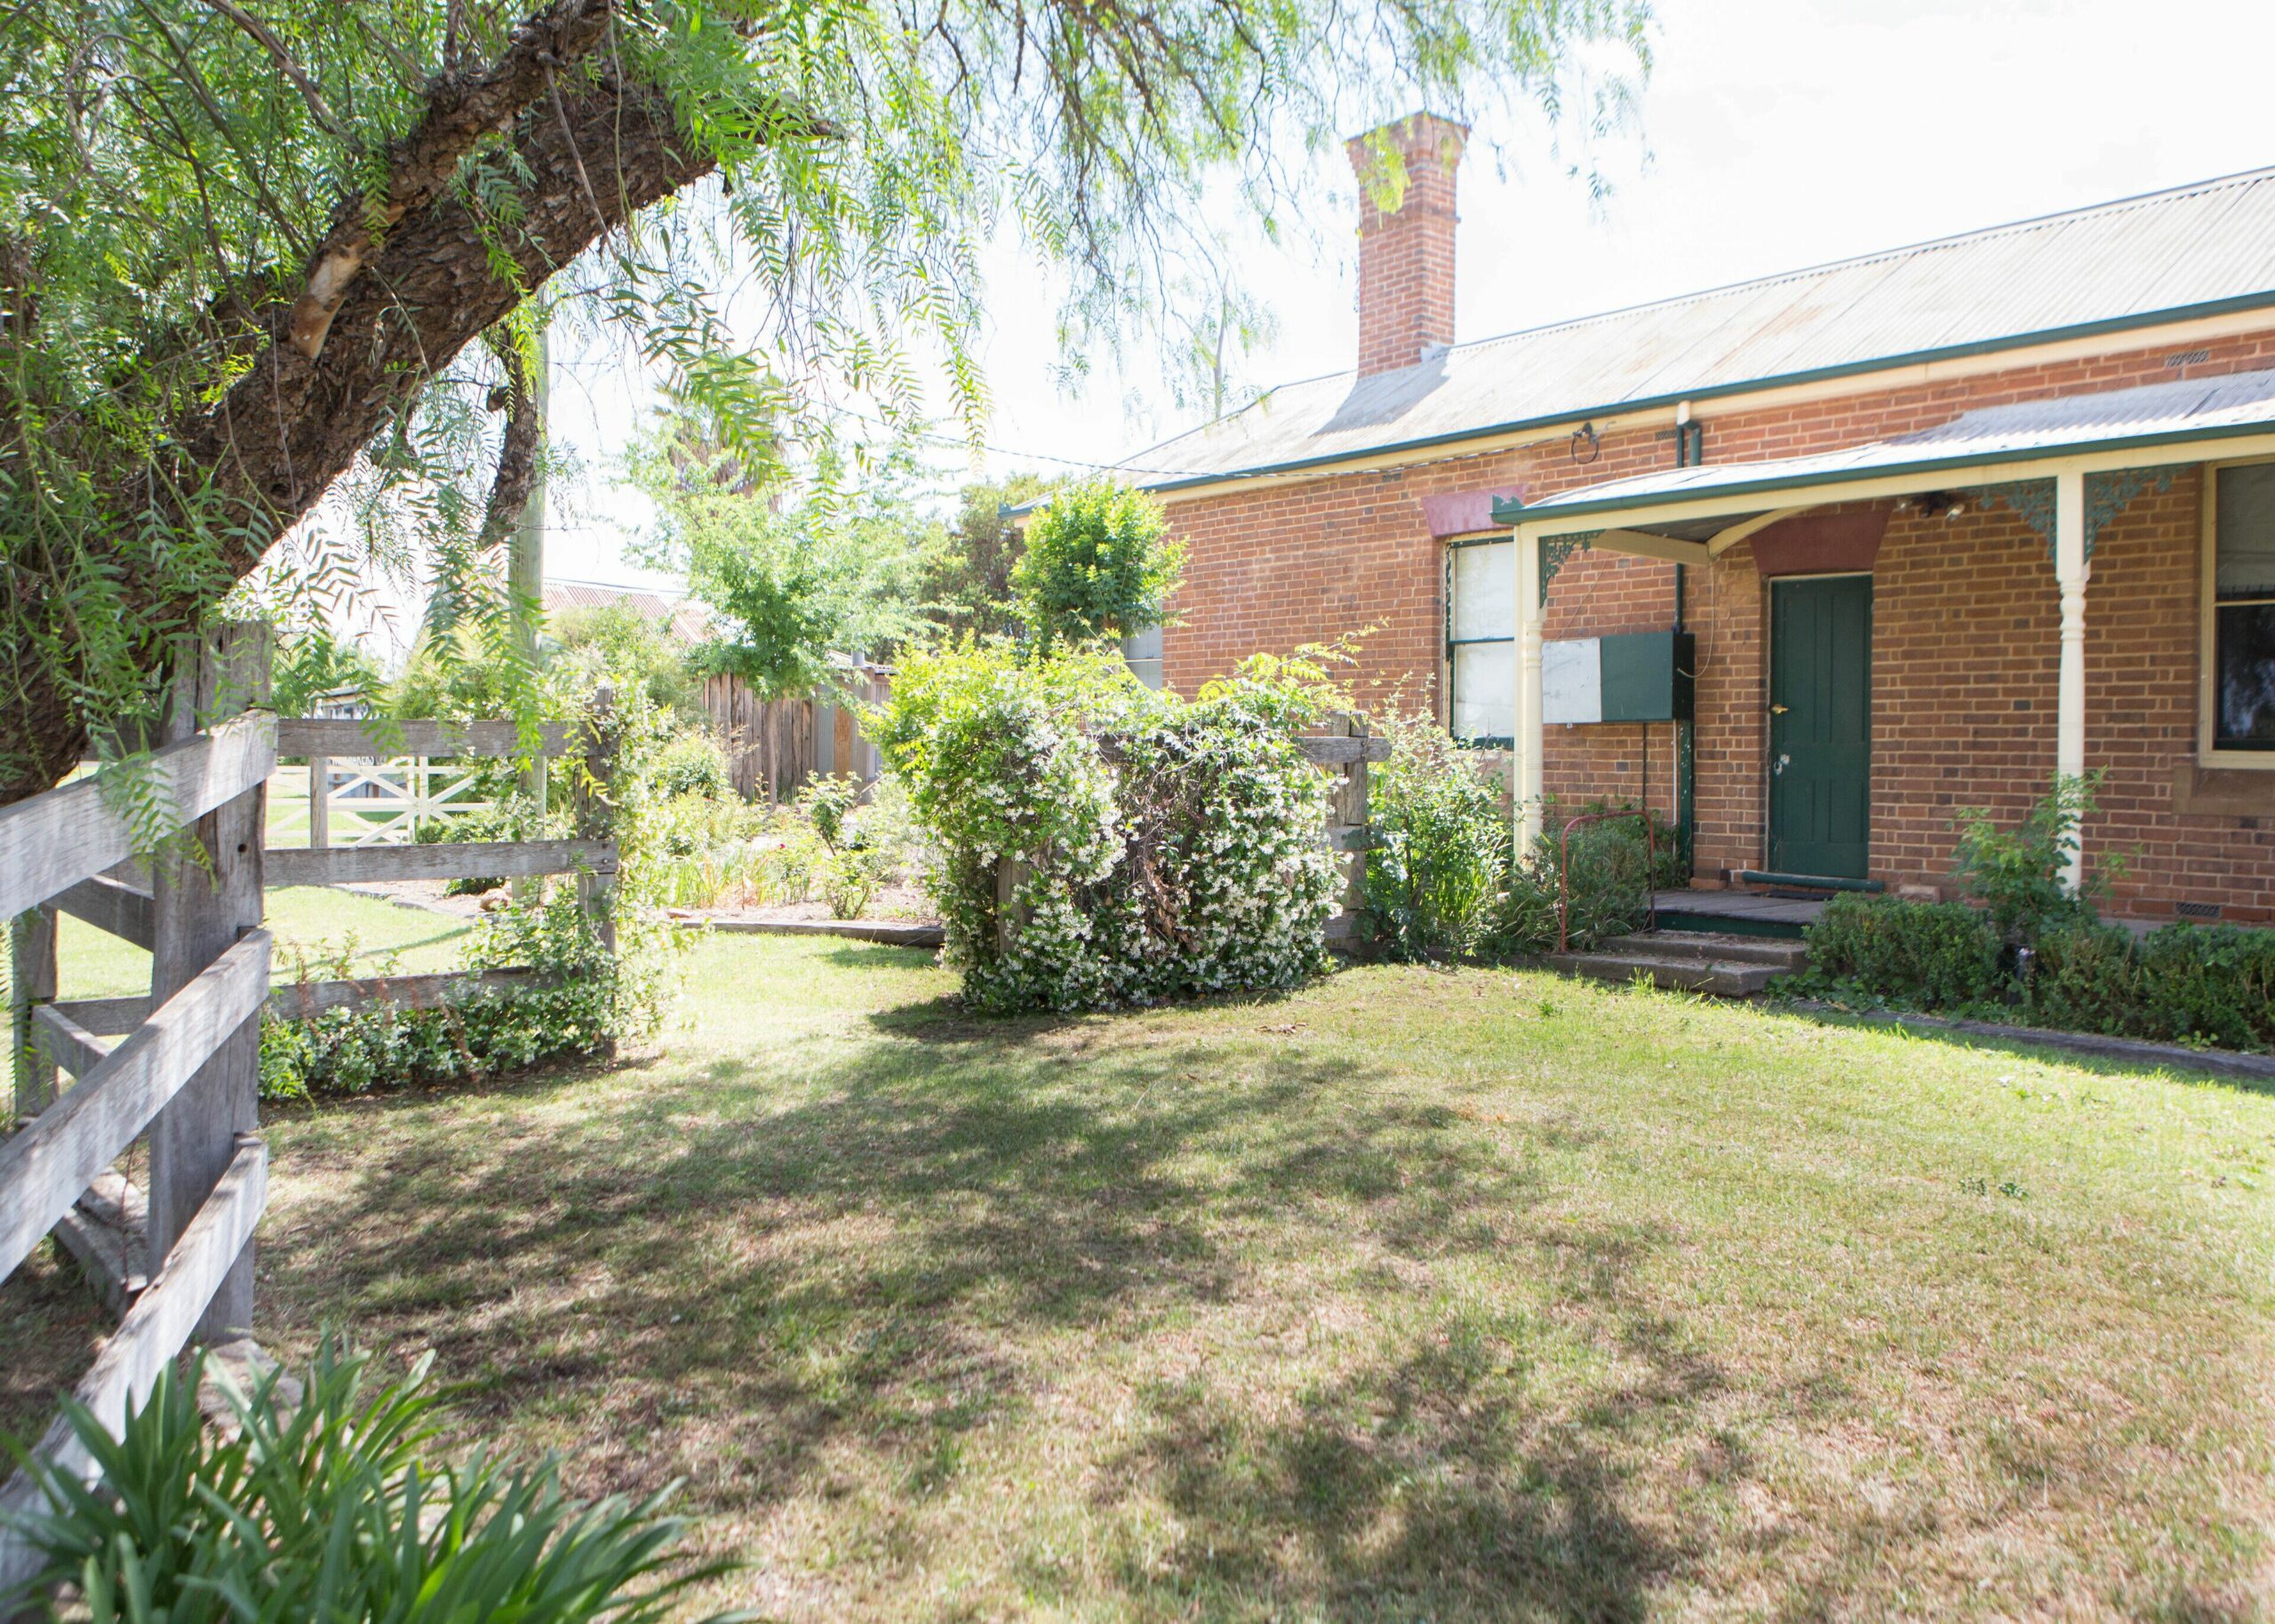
(1736, 913)
(1726, 964)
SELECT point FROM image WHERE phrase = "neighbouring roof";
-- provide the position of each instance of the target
(686, 622)
(2116, 419)
(2195, 251)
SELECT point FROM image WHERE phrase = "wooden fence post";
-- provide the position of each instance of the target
(594, 810)
(202, 900)
(319, 803)
(31, 983)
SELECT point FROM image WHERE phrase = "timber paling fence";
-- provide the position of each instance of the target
(183, 1065)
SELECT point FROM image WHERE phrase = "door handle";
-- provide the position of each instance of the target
(1779, 709)
(1783, 761)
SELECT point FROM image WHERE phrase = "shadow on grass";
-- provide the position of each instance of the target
(839, 1266)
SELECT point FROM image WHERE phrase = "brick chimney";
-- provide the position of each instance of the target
(1406, 253)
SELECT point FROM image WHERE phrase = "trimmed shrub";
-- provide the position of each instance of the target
(2083, 978)
(1100, 563)
(1156, 848)
(1440, 852)
(1935, 955)
(2184, 984)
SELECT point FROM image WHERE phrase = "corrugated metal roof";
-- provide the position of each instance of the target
(686, 622)
(2154, 414)
(2191, 250)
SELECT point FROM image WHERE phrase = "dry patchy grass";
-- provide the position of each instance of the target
(1418, 1296)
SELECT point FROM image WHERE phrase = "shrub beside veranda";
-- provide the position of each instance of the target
(324, 1509)
(2024, 948)
(1438, 860)
(1157, 847)
(1930, 955)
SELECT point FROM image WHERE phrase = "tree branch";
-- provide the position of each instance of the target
(519, 451)
(462, 109)
(263, 36)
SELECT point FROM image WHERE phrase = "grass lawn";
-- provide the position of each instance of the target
(306, 919)
(1418, 1296)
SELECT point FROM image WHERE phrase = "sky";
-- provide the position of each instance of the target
(1773, 135)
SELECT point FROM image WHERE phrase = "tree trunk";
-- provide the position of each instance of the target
(398, 314)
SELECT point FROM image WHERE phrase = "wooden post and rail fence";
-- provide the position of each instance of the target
(181, 1067)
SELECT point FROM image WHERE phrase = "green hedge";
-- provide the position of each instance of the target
(2182, 983)
(1935, 955)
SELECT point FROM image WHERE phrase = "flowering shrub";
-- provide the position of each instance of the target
(1099, 844)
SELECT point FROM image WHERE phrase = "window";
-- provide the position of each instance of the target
(2241, 630)
(1482, 641)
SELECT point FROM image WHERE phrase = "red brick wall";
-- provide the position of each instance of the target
(1964, 665)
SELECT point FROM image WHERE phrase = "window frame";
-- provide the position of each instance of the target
(1454, 545)
(2207, 752)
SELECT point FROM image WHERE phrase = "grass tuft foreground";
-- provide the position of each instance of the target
(1413, 1295)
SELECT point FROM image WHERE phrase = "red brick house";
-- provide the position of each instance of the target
(1805, 563)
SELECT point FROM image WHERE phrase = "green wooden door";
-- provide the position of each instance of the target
(1821, 726)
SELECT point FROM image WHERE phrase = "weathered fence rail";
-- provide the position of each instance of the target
(591, 855)
(1346, 746)
(180, 1066)
(185, 1073)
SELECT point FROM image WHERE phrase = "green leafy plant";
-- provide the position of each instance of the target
(2017, 873)
(2201, 984)
(1439, 860)
(319, 1506)
(1100, 564)
(693, 764)
(797, 583)
(1098, 844)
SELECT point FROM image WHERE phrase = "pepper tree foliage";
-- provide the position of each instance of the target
(1155, 847)
(257, 251)
(1100, 563)
(835, 569)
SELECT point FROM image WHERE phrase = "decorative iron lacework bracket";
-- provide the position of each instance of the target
(2107, 494)
(1554, 550)
(2033, 501)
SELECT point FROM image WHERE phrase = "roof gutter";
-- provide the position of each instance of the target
(1513, 513)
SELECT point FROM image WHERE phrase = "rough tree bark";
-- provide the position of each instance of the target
(375, 320)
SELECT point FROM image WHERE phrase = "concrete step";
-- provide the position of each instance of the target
(1713, 947)
(1723, 979)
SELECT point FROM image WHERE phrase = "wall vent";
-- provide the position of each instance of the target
(2197, 910)
(2187, 358)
